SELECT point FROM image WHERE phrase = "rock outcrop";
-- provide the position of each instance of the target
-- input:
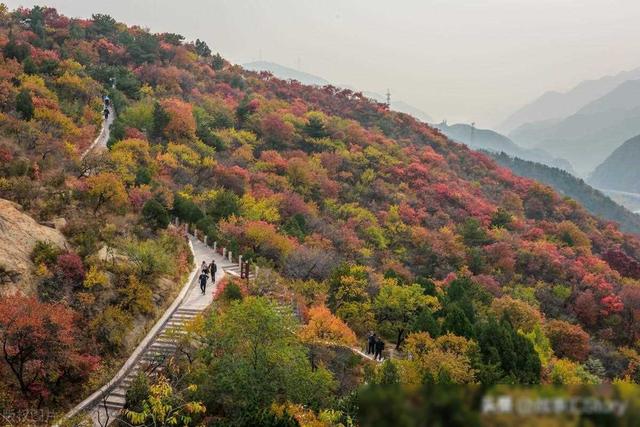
(18, 235)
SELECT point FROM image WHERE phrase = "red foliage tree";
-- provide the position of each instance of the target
(39, 348)
(568, 340)
(630, 296)
(622, 263)
(586, 308)
(182, 124)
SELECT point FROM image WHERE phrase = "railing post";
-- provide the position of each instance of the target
(205, 239)
(224, 252)
(215, 246)
(230, 257)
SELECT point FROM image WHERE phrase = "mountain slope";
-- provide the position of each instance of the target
(486, 139)
(364, 218)
(587, 137)
(556, 105)
(620, 170)
(595, 201)
(623, 98)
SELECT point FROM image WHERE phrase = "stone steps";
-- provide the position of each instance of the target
(165, 343)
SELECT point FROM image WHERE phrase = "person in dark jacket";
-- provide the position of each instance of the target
(203, 281)
(371, 342)
(204, 267)
(379, 346)
(213, 269)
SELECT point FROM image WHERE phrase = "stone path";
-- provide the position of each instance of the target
(161, 341)
(101, 140)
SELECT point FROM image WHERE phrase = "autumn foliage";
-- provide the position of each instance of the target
(478, 274)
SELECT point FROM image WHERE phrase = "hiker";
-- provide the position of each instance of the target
(371, 341)
(106, 113)
(204, 267)
(213, 268)
(203, 281)
(379, 346)
(106, 101)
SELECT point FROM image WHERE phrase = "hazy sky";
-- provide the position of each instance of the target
(464, 60)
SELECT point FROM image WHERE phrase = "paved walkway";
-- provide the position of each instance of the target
(100, 143)
(161, 341)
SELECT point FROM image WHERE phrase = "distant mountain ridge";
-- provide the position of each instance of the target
(287, 73)
(620, 170)
(557, 105)
(486, 139)
(587, 137)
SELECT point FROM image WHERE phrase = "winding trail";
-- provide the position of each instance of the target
(161, 342)
(100, 143)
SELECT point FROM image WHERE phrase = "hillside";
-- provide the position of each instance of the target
(360, 218)
(620, 170)
(557, 105)
(564, 183)
(486, 139)
(287, 73)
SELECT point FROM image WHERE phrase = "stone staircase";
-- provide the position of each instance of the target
(153, 360)
(163, 340)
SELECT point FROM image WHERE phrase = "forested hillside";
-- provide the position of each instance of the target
(365, 219)
(595, 201)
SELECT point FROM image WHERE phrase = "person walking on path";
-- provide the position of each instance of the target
(213, 269)
(106, 113)
(204, 267)
(379, 346)
(203, 281)
(371, 341)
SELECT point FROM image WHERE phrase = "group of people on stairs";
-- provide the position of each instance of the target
(204, 275)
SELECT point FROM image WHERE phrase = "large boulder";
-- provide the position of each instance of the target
(18, 236)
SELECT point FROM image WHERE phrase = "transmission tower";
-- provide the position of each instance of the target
(388, 98)
(473, 129)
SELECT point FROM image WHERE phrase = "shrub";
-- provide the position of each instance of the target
(44, 253)
(155, 215)
(110, 328)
